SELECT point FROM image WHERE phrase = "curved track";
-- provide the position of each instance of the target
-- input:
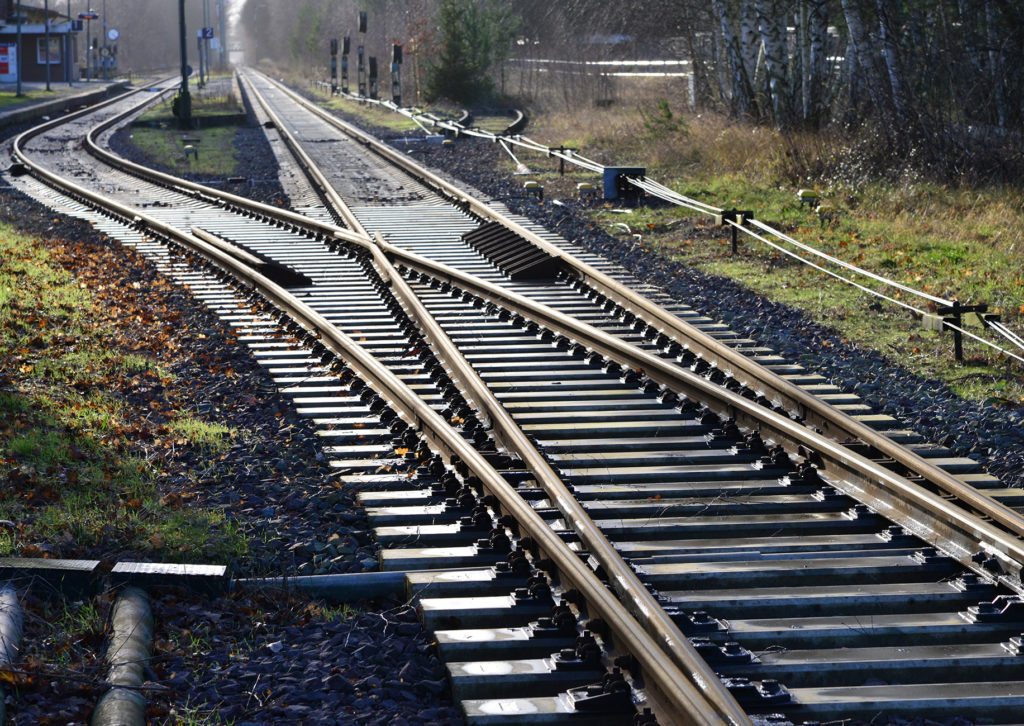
(560, 379)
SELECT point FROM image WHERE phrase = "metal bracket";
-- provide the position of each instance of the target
(736, 217)
(954, 315)
(561, 161)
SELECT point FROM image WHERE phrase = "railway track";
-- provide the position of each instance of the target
(508, 402)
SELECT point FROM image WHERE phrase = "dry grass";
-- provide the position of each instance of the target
(950, 239)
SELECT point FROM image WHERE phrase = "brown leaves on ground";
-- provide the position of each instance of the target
(92, 379)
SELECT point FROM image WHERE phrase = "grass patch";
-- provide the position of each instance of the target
(209, 436)
(954, 242)
(8, 98)
(156, 135)
(367, 113)
(83, 620)
(373, 115)
(81, 461)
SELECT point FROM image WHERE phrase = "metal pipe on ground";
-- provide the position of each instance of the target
(11, 624)
(130, 647)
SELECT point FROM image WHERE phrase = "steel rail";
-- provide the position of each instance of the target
(978, 501)
(811, 409)
(680, 690)
(60, 120)
(987, 507)
(657, 189)
(508, 433)
(950, 528)
(915, 517)
(644, 606)
(324, 187)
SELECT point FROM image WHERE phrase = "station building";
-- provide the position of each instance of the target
(35, 55)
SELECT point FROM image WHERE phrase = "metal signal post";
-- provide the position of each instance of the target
(360, 54)
(344, 64)
(334, 66)
(184, 109)
(396, 74)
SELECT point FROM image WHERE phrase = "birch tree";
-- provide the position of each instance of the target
(862, 56)
(738, 87)
(887, 21)
(817, 40)
(771, 17)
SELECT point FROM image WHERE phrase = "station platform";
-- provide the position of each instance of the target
(38, 102)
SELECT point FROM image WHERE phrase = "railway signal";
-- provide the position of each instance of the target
(182, 105)
(360, 55)
(334, 66)
(88, 17)
(396, 74)
(345, 46)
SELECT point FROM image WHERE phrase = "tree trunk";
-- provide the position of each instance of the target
(700, 84)
(996, 63)
(750, 44)
(772, 21)
(738, 90)
(887, 20)
(818, 41)
(863, 67)
(803, 44)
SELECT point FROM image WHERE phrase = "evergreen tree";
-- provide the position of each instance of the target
(473, 37)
